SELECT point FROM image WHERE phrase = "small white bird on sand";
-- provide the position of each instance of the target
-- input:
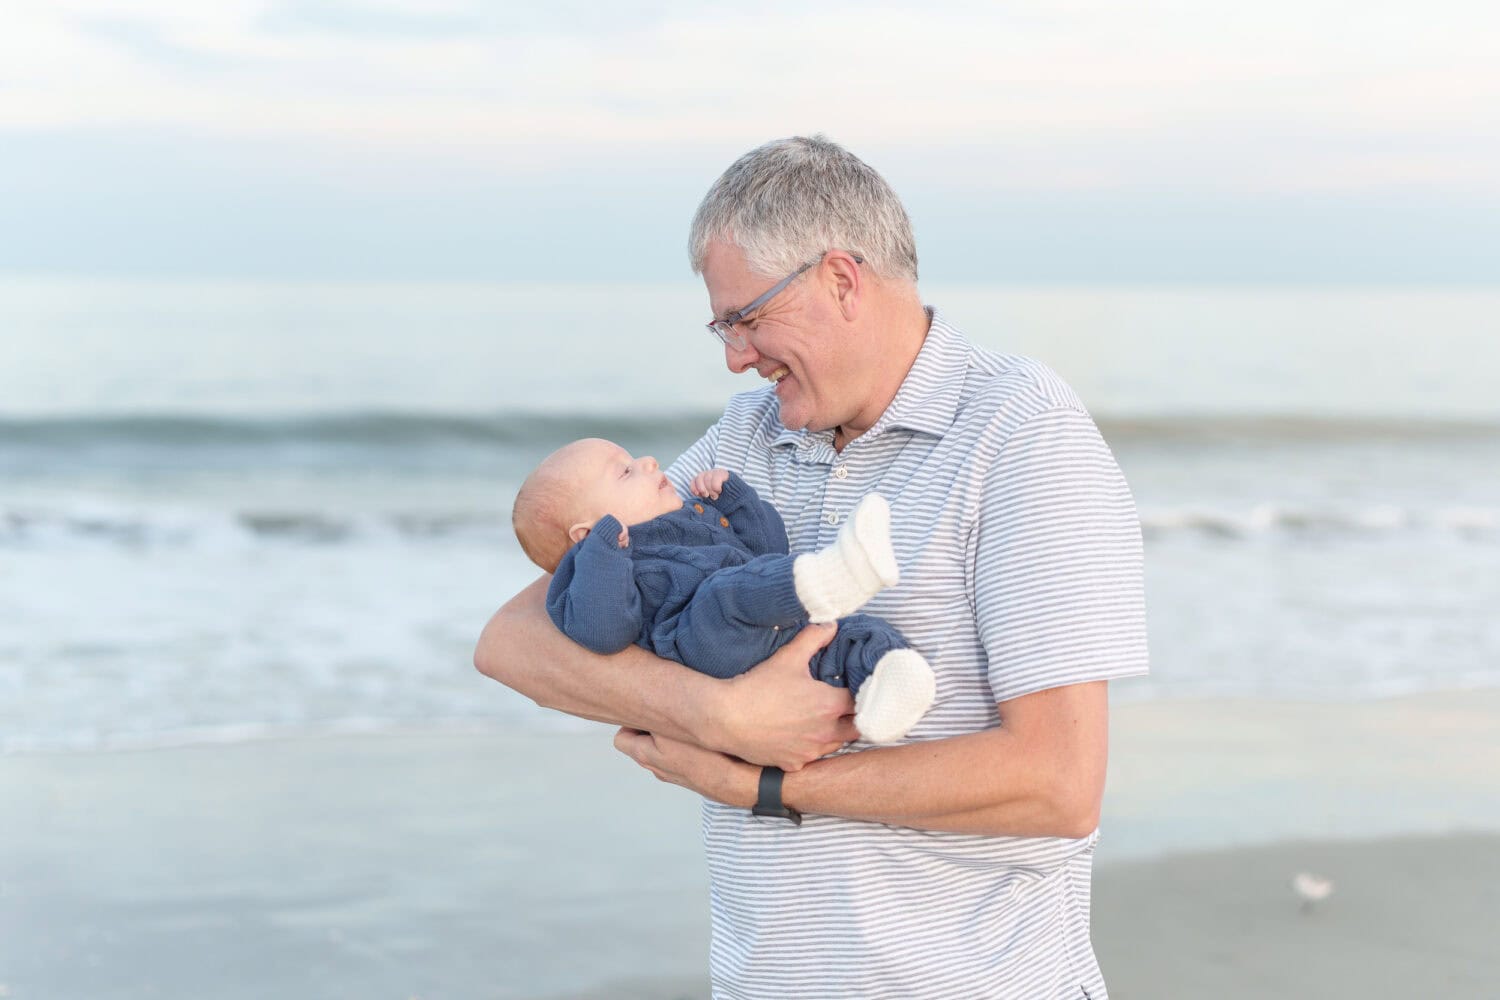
(1311, 888)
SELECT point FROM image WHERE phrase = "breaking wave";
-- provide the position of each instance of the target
(96, 524)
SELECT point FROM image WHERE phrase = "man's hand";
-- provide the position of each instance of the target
(624, 539)
(779, 713)
(709, 773)
(709, 484)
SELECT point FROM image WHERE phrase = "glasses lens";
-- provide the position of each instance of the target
(728, 335)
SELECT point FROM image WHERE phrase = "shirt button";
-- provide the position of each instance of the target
(832, 517)
(841, 472)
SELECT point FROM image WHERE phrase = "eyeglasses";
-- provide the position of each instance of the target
(724, 328)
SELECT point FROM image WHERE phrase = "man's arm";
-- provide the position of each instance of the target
(1041, 774)
(775, 714)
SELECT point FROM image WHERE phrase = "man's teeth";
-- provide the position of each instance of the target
(779, 374)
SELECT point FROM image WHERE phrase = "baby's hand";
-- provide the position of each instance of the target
(624, 536)
(709, 484)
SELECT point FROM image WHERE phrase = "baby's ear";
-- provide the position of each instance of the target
(579, 532)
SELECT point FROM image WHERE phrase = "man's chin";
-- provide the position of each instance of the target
(795, 418)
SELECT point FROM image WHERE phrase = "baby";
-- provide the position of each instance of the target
(710, 583)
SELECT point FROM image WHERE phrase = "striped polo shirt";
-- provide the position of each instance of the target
(1020, 556)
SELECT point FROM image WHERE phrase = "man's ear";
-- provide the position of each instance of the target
(579, 531)
(847, 281)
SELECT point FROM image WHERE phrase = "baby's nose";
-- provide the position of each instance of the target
(649, 464)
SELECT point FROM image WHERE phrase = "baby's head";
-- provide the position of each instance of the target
(579, 483)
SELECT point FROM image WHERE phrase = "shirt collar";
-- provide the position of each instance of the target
(787, 437)
(928, 398)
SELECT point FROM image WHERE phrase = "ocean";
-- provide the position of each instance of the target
(237, 511)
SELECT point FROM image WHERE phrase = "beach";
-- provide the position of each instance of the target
(1410, 917)
(516, 864)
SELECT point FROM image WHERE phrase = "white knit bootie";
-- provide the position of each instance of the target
(837, 581)
(894, 696)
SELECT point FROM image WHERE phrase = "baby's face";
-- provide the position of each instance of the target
(609, 481)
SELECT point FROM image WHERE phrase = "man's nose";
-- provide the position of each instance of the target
(740, 359)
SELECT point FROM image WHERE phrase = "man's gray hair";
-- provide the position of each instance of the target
(788, 202)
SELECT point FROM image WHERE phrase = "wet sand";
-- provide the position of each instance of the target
(512, 865)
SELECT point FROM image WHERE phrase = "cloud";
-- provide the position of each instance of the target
(454, 137)
(422, 19)
(1058, 96)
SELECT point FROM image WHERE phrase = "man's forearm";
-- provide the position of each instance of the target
(1041, 774)
(966, 784)
(522, 649)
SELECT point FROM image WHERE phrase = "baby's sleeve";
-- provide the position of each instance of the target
(754, 521)
(593, 598)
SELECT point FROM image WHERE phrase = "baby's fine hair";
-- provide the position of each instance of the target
(540, 517)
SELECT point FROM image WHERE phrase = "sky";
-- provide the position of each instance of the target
(1032, 142)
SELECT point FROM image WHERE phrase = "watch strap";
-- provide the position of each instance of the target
(768, 801)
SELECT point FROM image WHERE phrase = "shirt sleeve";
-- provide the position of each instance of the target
(1058, 580)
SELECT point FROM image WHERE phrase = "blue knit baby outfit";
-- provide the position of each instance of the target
(709, 585)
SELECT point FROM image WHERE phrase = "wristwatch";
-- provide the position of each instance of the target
(769, 802)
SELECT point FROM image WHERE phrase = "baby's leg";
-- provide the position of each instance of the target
(738, 617)
(838, 580)
(893, 684)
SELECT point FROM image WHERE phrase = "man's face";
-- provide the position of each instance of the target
(609, 481)
(794, 340)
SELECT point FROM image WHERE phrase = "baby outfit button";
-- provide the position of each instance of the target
(723, 522)
(698, 507)
(842, 472)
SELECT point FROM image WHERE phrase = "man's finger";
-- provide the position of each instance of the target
(844, 732)
(628, 741)
(813, 637)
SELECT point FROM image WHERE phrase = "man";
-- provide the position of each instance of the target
(957, 864)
